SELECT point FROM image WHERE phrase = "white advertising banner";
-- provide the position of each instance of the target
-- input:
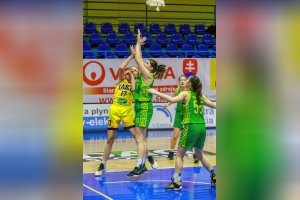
(101, 75)
(96, 117)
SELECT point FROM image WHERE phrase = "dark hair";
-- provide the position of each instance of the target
(157, 70)
(181, 76)
(196, 87)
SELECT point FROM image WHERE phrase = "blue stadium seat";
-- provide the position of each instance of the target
(188, 50)
(155, 50)
(155, 28)
(103, 49)
(162, 39)
(184, 29)
(122, 50)
(90, 27)
(95, 39)
(146, 55)
(192, 39)
(214, 52)
(176, 38)
(106, 27)
(123, 28)
(112, 39)
(208, 39)
(86, 46)
(170, 28)
(203, 51)
(148, 42)
(128, 38)
(199, 29)
(172, 50)
(87, 51)
(140, 26)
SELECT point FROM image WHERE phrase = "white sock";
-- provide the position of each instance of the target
(177, 177)
(104, 163)
(139, 162)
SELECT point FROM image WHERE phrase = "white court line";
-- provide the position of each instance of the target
(98, 192)
(149, 169)
(203, 183)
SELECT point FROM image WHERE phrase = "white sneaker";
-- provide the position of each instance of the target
(100, 170)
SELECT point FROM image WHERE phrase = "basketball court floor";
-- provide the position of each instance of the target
(114, 184)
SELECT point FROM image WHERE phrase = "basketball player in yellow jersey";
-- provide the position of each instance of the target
(122, 110)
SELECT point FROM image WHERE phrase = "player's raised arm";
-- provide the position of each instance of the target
(126, 62)
(138, 57)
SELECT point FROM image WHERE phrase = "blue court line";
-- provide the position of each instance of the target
(96, 191)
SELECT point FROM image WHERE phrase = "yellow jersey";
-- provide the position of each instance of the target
(123, 94)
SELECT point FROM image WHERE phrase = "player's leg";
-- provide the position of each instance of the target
(113, 124)
(207, 165)
(107, 150)
(198, 147)
(173, 143)
(176, 180)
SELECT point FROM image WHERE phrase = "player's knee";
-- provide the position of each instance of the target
(175, 137)
(200, 156)
(110, 141)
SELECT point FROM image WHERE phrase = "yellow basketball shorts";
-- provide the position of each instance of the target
(118, 113)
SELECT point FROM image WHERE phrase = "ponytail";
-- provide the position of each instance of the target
(196, 87)
(160, 70)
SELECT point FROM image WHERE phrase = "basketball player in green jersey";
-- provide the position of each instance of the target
(178, 115)
(143, 100)
(194, 131)
(178, 119)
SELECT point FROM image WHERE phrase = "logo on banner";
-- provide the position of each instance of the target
(190, 66)
(93, 73)
(164, 112)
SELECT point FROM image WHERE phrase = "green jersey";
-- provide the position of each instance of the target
(140, 93)
(192, 112)
(179, 104)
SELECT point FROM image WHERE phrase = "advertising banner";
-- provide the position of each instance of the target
(96, 117)
(101, 75)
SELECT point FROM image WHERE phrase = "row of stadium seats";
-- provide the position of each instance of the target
(155, 50)
(162, 38)
(154, 28)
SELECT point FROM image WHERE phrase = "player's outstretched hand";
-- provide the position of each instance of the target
(152, 91)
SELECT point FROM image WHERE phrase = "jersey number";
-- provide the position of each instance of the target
(196, 108)
(123, 93)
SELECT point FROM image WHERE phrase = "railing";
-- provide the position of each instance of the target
(120, 11)
(184, 54)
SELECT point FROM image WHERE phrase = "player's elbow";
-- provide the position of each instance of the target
(171, 100)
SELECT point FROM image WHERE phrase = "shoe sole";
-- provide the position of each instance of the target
(175, 189)
(137, 175)
(99, 174)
